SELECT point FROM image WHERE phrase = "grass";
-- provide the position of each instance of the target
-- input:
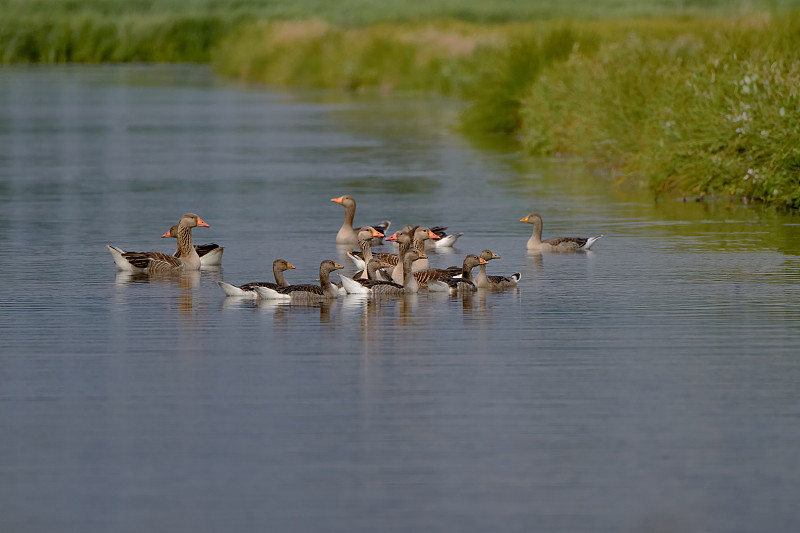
(688, 97)
(352, 13)
(695, 108)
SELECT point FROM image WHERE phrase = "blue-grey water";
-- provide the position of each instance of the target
(650, 386)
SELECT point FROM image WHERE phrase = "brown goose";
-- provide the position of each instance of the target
(248, 290)
(482, 281)
(462, 284)
(160, 263)
(365, 236)
(210, 253)
(347, 233)
(387, 288)
(306, 293)
(373, 266)
(404, 241)
(421, 235)
(556, 244)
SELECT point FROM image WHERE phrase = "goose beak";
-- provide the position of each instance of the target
(376, 233)
(338, 200)
(201, 223)
(422, 255)
(495, 256)
(165, 235)
(433, 236)
(392, 237)
(337, 266)
(290, 266)
(481, 261)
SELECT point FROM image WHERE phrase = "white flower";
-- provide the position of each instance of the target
(782, 112)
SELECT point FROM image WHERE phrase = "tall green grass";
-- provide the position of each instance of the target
(686, 108)
(90, 38)
(352, 13)
(428, 57)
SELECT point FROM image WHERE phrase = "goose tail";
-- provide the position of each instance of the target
(269, 294)
(590, 241)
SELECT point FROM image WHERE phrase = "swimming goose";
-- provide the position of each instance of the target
(160, 263)
(482, 281)
(391, 258)
(388, 288)
(462, 284)
(248, 290)
(382, 227)
(404, 241)
(348, 285)
(210, 253)
(347, 233)
(373, 266)
(421, 236)
(306, 293)
(445, 240)
(556, 244)
(365, 236)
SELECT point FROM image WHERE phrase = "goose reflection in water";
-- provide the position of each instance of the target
(285, 312)
(187, 279)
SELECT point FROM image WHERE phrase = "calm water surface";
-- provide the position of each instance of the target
(649, 386)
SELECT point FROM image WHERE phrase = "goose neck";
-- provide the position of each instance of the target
(187, 252)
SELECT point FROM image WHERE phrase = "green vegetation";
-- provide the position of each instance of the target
(350, 13)
(692, 108)
(695, 105)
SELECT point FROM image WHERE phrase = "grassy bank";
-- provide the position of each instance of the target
(691, 106)
(686, 108)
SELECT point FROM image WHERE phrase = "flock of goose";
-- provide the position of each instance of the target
(406, 271)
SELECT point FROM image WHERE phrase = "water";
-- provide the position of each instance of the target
(648, 386)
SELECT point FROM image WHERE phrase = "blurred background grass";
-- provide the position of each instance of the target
(688, 97)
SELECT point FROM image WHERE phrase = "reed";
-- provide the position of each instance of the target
(436, 56)
(354, 13)
(692, 109)
(92, 38)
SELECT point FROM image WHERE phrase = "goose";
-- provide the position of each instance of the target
(382, 227)
(392, 259)
(306, 293)
(445, 240)
(462, 284)
(373, 266)
(482, 281)
(347, 233)
(210, 253)
(404, 240)
(248, 290)
(365, 236)
(160, 263)
(388, 288)
(556, 244)
(421, 236)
